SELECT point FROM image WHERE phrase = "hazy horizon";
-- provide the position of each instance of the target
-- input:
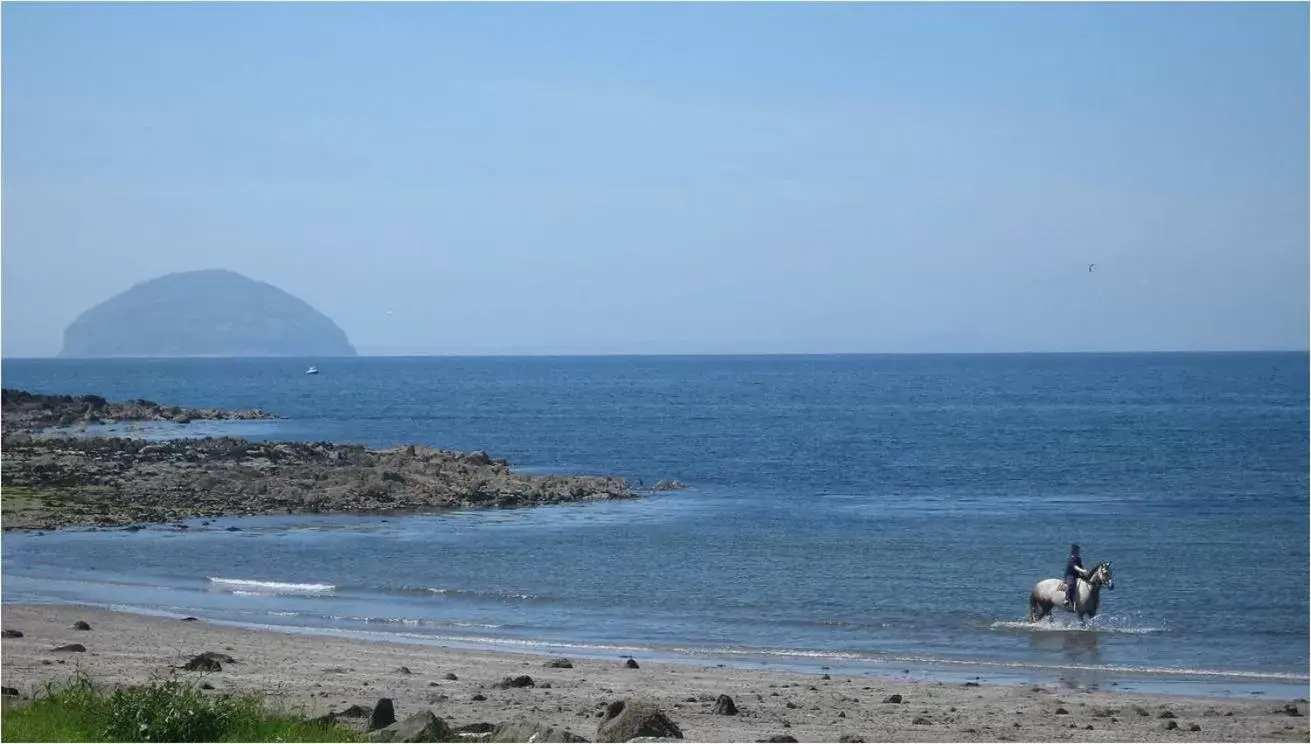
(651, 179)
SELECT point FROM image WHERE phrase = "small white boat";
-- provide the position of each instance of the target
(312, 371)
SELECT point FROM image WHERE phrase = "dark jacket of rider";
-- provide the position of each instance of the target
(1074, 566)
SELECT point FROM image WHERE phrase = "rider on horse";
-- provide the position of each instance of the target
(1074, 571)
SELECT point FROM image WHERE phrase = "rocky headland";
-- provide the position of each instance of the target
(34, 412)
(52, 479)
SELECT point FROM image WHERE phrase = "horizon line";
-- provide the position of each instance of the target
(560, 355)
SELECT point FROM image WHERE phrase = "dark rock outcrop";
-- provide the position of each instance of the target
(629, 719)
(26, 412)
(383, 715)
(724, 706)
(7, 633)
(71, 480)
(212, 313)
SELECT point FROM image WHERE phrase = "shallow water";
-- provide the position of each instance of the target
(868, 514)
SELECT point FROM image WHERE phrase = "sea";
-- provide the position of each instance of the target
(855, 515)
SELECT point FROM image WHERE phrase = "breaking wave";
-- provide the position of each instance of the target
(254, 586)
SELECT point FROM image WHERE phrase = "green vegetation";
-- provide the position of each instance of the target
(16, 499)
(162, 710)
(23, 498)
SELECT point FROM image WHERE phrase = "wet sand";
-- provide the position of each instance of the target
(320, 674)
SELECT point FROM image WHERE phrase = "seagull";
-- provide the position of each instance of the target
(1090, 268)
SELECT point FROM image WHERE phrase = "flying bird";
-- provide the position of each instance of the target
(1090, 268)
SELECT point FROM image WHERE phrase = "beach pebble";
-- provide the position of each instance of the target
(782, 739)
(451, 676)
(560, 663)
(631, 664)
(11, 691)
(403, 670)
(1171, 725)
(70, 647)
(1194, 727)
(1166, 714)
(7, 633)
(922, 721)
(478, 697)
(1292, 710)
(893, 698)
(1062, 712)
(724, 706)
(81, 625)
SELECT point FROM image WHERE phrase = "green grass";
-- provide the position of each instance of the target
(14, 499)
(163, 710)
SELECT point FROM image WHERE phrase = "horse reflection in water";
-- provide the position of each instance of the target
(1078, 652)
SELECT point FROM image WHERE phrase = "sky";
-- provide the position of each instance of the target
(671, 178)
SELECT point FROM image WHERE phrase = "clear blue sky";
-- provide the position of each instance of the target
(628, 178)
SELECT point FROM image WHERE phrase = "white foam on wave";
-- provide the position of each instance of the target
(253, 586)
(411, 621)
(1058, 626)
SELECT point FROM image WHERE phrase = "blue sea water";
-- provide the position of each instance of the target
(868, 514)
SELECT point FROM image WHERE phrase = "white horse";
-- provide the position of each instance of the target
(1050, 593)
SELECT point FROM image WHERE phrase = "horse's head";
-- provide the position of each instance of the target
(1102, 575)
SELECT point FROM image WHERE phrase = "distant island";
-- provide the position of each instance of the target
(210, 313)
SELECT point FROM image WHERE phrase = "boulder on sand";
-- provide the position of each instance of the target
(629, 719)
(383, 715)
(419, 727)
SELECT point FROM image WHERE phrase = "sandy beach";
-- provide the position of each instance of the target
(321, 674)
